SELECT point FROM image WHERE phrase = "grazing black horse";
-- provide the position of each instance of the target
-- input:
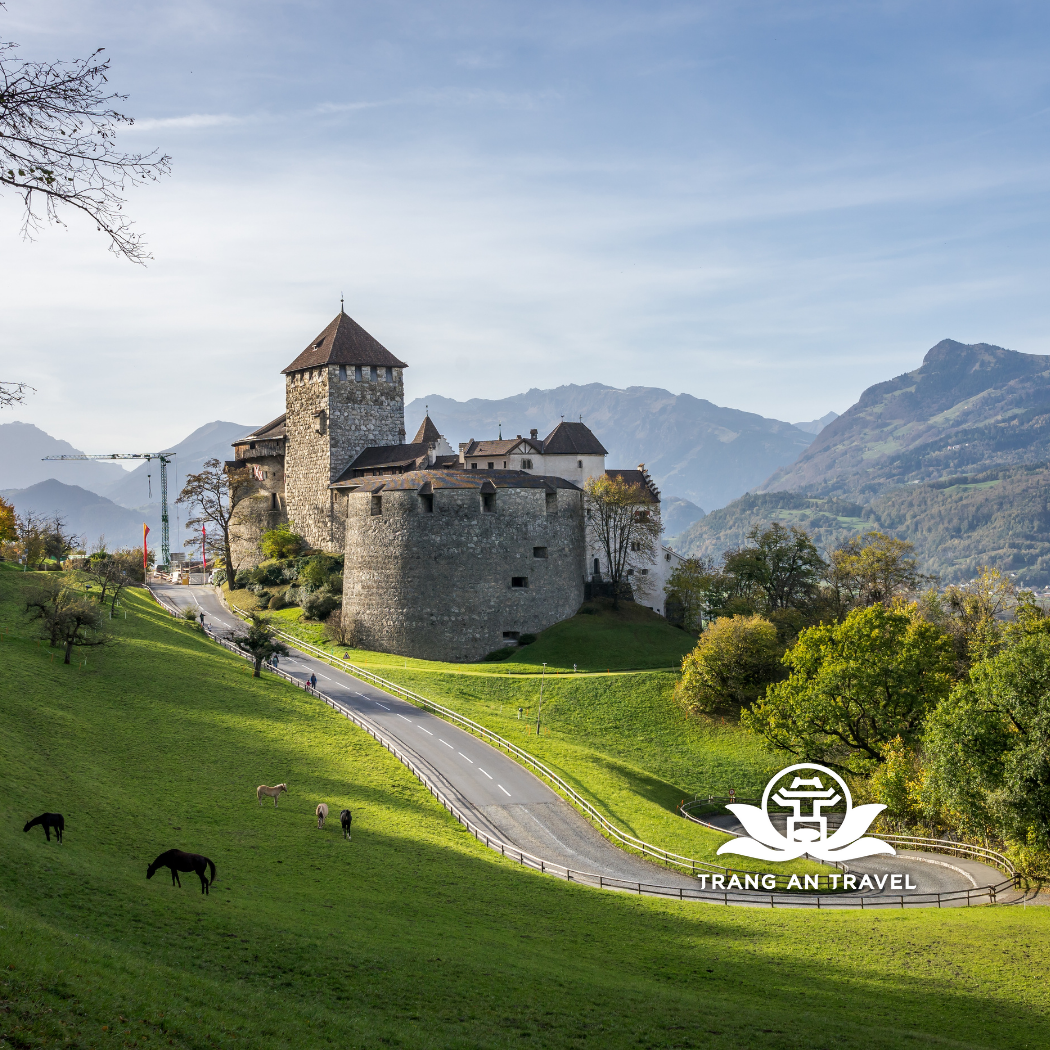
(177, 861)
(49, 820)
(345, 819)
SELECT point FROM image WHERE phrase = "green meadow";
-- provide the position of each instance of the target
(412, 934)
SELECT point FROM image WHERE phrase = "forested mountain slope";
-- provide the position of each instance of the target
(967, 409)
(999, 518)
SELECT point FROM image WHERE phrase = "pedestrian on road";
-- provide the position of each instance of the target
(202, 617)
(313, 681)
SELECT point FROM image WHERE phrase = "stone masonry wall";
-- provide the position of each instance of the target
(439, 585)
(356, 415)
(262, 510)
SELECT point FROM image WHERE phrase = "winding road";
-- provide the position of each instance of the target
(514, 806)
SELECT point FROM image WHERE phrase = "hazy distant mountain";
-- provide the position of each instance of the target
(700, 451)
(87, 514)
(677, 514)
(815, 426)
(22, 448)
(209, 441)
(968, 408)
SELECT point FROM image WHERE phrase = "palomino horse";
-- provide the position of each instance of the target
(322, 813)
(177, 861)
(273, 792)
(345, 819)
(49, 820)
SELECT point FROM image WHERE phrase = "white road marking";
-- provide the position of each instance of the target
(489, 775)
(446, 743)
(385, 708)
(324, 676)
(470, 760)
(427, 731)
(504, 790)
(406, 719)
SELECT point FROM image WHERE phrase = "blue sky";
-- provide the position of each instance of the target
(769, 205)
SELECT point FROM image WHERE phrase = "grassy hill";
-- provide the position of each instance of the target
(413, 934)
(998, 518)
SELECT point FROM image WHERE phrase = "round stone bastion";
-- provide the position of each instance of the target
(452, 564)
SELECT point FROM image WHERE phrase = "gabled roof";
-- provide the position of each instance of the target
(375, 457)
(568, 439)
(499, 448)
(639, 477)
(344, 342)
(426, 432)
(273, 431)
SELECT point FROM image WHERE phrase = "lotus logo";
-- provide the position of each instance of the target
(805, 795)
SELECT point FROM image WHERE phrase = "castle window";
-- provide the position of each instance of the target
(251, 444)
(519, 581)
(667, 557)
(597, 567)
(273, 501)
(357, 373)
(491, 465)
(552, 502)
(644, 572)
(377, 504)
(428, 504)
(511, 636)
(488, 502)
(636, 546)
(526, 464)
(389, 377)
(539, 552)
(504, 464)
(320, 421)
(342, 373)
(473, 466)
(579, 463)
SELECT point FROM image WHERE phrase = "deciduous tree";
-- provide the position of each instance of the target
(57, 147)
(215, 493)
(874, 568)
(623, 522)
(734, 660)
(854, 687)
(260, 642)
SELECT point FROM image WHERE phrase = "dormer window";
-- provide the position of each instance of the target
(319, 343)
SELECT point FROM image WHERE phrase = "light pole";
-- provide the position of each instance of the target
(539, 710)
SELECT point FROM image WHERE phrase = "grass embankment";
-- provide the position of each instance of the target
(411, 935)
(619, 738)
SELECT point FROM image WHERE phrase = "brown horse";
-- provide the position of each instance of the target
(177, 861)
(322, 813)
(272, 792)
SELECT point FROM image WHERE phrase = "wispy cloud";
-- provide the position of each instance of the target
(191, 121)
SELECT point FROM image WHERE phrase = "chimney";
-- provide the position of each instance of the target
(534, 433)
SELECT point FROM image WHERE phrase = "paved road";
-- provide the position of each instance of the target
(507, 800)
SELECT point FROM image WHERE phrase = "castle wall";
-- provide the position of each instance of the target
(330, 420)
(439, 585)
(261, 510)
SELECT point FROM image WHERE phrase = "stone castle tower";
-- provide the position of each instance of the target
(343, 393)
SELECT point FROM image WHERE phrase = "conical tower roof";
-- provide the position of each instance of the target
(426, 433)
(344, 342)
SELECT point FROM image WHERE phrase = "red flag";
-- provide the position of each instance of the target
(204, 548)
(145, 533)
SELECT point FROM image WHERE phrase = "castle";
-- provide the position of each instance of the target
(448, 555)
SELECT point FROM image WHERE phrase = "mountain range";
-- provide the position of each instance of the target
(968, 408)
(952, 456)
(692, 448)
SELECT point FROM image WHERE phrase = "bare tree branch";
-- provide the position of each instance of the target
(12, 392)
(57, 129)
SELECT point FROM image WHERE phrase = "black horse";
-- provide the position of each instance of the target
(177, 861)
(345, 819)
(49, 820)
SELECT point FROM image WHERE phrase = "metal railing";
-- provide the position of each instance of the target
(726, 896)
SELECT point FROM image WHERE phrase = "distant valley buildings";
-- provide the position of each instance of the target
(448, 554)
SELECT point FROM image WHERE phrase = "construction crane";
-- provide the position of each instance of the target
(165, 458)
